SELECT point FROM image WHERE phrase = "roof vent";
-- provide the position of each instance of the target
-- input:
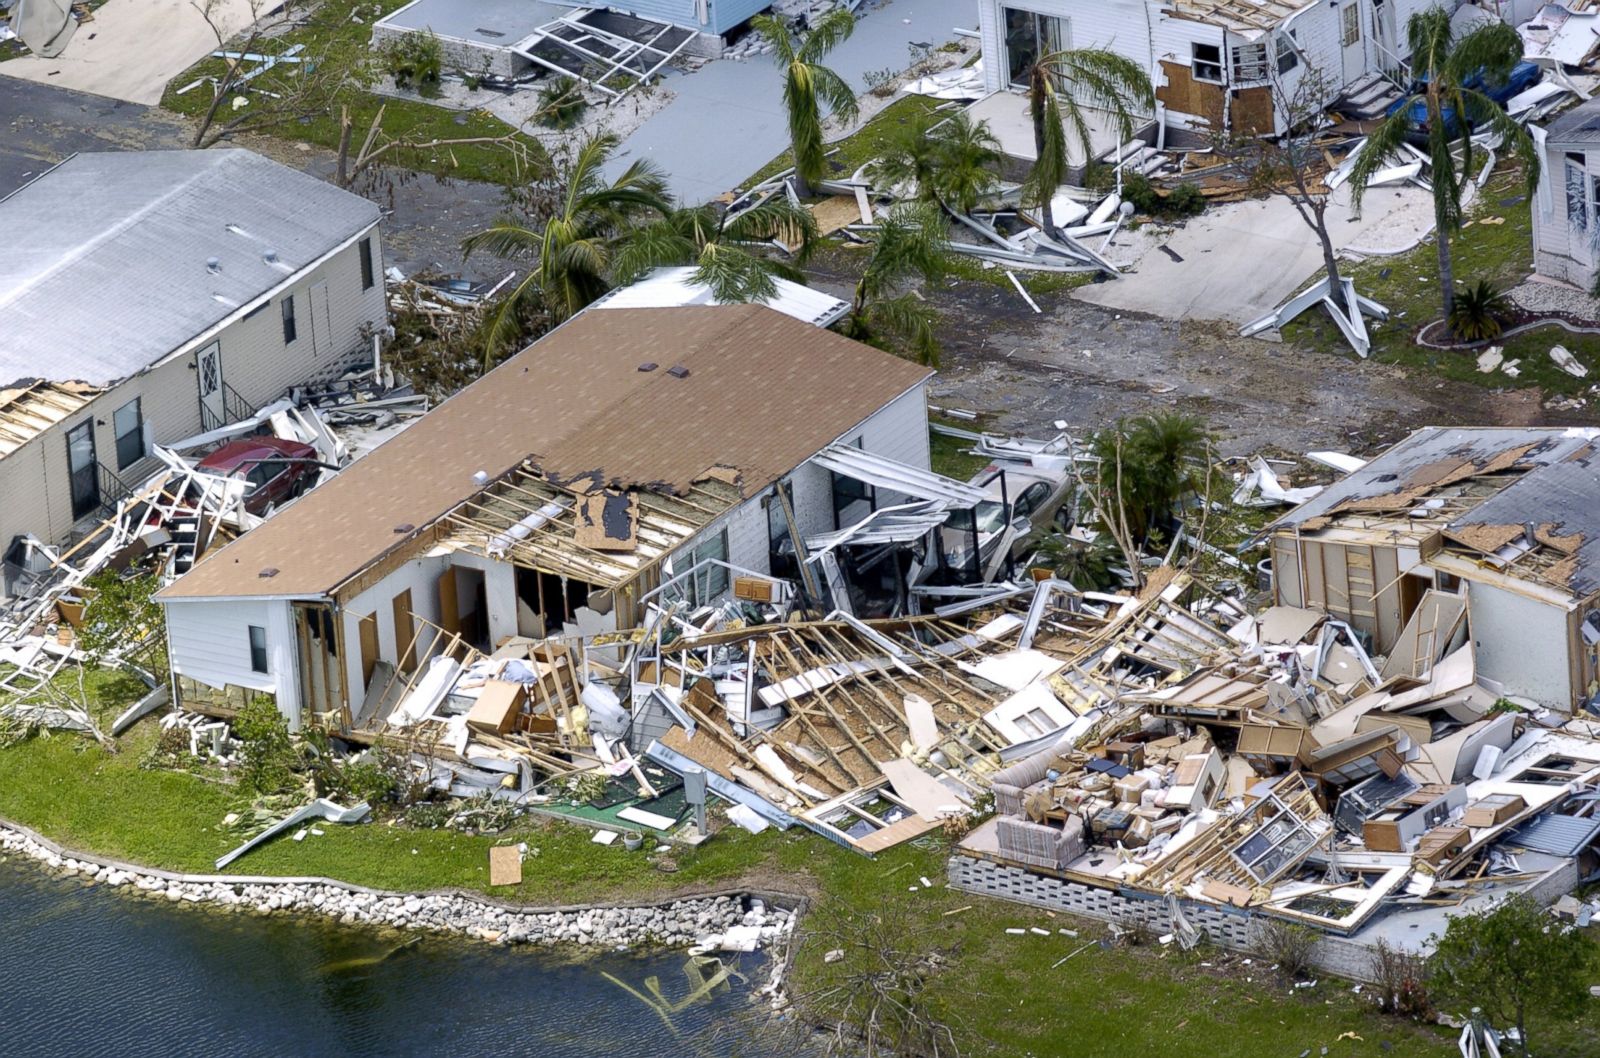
(404, 527)
(678, 371)
(648, 365)
(270, 256)
(213, 265)
(480, 478)
(269, 572)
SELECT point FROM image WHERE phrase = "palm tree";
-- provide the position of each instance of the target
(1061, 85)
(1147, 468)
(572, 252)
(949, 161)
(911, 244)
(808, 85)
(720, 246)
(1447, 68)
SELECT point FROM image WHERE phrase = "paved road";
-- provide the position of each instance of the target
(727, 119)
(42, 124)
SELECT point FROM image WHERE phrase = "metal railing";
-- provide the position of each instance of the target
(234, 409)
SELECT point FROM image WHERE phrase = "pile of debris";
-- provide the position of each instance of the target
(163, 525)
(1280, 768)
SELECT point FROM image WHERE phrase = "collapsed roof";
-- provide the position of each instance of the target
(722, 400)
(1524, 500)
(115, 260)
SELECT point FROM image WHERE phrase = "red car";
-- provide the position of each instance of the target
(276, 470)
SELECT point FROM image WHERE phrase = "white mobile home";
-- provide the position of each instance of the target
(150, 295)
(1212, 62)
(1566, 214)
(555, 493)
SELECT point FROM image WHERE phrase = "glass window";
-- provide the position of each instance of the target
(289, 330)
(1250, 62)
(1028, 37)
(259, 474)
(1577, 205)
(128, 423)
(1287, 59)
(1031, 498)
(1351, 14)
(711, 581)
(258, 649)
(367, 276)
(1207, 63)
(83, 468)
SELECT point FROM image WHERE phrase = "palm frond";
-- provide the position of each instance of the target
(827, 33)
(503, 240)
(651, 246)
(905, 323)
(1492, 48)
(775, 31)
(734, 275)
(836, 92)
(1382, 143)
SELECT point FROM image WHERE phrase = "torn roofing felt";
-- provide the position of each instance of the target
(114, 260)
(1550, 493)
(758, 395)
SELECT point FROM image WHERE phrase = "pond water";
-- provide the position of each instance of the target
(87, 972)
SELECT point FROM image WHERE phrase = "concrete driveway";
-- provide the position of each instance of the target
(133, 48)
(1242, 260)
(727, 119)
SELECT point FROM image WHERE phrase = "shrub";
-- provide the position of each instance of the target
(1402, 980)
(1477, 312)
(414, 60)
(266, 755)
(561, 103)
(1183, 200)
(1288, 944)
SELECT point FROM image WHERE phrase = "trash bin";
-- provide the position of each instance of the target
(1264, 574)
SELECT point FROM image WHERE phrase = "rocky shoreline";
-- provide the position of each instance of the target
(722, 921)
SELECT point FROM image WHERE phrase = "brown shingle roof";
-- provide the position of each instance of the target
(764, 393)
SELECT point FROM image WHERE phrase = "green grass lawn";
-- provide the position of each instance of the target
(1408, 285)
(951, 455)
(331, 37)
(1006, 993)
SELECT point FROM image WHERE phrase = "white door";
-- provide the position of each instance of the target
(1353, 48)
(208, 368)
(321, 319)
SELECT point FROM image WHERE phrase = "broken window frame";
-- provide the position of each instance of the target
(1249, 61)
(1279, 841)
(1286, 55)
(1205, 63)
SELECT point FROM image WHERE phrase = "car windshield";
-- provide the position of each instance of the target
(991, 516)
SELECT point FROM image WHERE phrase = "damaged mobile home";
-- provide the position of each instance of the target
(627, 449)
(156, 295)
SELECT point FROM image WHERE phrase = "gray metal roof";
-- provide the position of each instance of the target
(1578, 126)
(111, 261)
(1429, 448)
(1555, 834)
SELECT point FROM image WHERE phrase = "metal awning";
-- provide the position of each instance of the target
(1556, 835)
(884, 473)
(888, 525)
(607, 50)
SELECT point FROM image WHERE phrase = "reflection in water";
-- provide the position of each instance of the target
(90, 973)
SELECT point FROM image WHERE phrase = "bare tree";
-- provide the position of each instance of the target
(1293, 166)
(294, 87)
(378, 147)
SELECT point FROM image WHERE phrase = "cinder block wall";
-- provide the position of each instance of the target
(1227, 927)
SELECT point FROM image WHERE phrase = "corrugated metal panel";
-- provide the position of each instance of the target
(114, 260)
(667, 288)
(1556, 835)
(884, 473)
